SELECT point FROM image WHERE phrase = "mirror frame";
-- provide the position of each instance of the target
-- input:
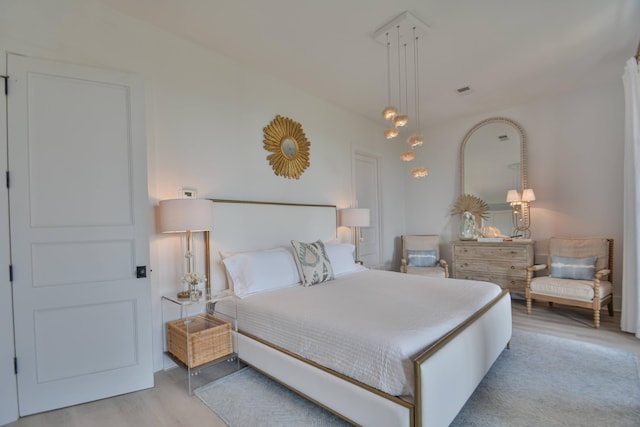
(523, 149)
(280, 130)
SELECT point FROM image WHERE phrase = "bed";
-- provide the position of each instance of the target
(429, 360)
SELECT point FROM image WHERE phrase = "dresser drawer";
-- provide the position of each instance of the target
(514, 269)
(503, 263)
(487, 251)
(510, 283)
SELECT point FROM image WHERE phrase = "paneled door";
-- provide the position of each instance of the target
(79, 228)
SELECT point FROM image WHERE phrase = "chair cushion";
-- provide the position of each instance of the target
(581, 290)
(426, 271)
(573, 268)
(421, 258)
(420, 243)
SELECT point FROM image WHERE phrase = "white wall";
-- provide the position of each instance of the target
(205, 115)
(575, 147)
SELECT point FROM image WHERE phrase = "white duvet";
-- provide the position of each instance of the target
(366, 325)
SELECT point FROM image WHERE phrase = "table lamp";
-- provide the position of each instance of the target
(185, 216)
(356, 218)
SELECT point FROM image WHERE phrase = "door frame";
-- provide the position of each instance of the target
(358, 151)
(8, 384)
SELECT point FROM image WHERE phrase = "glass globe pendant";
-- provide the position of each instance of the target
(391, 133)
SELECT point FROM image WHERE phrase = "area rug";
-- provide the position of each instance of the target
(541, 381)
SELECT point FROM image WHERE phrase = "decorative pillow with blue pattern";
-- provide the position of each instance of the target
(573, 268)
(313, 262)
(421, 258)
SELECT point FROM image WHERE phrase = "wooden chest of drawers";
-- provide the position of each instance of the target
(503, 263)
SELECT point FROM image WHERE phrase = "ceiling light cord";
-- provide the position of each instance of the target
(416, 66)
(406, 82)
(388, 71)
(399, 72)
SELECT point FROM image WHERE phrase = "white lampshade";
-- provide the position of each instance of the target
(181, 215)
(513, 196)
(528, 195)
(354, 217)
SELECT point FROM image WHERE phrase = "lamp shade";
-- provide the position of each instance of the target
(528, 195)
(513, 196)
(354, 217)
(181, 215)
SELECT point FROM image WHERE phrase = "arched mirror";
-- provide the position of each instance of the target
(492, 162)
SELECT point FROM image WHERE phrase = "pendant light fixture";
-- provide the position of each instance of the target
(390, 112)
(401, 120)
(407, 156)
(416, 139)
(407, 29)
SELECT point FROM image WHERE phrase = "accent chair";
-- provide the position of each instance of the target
(421, 255)
(579, 274)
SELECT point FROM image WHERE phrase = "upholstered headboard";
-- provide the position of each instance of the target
(247, 225)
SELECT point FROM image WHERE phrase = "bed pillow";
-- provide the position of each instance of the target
(261, 271)
(341, 258)
(313, 262)
(421, 258)
(573, 268)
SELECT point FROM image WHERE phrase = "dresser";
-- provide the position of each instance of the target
(503, 263)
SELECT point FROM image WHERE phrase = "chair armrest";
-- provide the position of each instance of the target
(602, 273)
(442, 263)
(537, 267)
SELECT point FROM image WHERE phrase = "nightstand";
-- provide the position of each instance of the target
(200, 340)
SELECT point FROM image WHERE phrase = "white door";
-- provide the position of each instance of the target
(79, 228)
(367, 196)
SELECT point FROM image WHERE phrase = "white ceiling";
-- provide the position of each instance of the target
(508, 51)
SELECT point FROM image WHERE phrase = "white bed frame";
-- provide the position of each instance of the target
(446, 373)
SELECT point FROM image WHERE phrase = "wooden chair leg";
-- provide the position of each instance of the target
(596, 318)
(610, 307)
(528, 305)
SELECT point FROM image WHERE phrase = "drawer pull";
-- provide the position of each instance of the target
(513, 267)
(464, 250)
(513, 282)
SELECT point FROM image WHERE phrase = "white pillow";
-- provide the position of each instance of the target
(261, 271)
(341, 257)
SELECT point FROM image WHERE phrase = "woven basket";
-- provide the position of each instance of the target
(209, 339)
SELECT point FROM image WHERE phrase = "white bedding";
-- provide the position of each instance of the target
(366, 325)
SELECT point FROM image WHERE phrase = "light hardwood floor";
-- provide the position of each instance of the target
(169, 404)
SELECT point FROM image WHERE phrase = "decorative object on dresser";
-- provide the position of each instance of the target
(186, 216)
(472, 210)
(580, 273)
(421, 255)
(356, 218)
(289, 147)
(503, 263)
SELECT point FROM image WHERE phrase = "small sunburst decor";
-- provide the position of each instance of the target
(289, 147)
(470, 203)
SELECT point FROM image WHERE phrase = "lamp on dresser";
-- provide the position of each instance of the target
(356, 218)
(521, 205)
(187, 216)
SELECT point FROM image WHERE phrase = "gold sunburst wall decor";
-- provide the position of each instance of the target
(289, 147)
